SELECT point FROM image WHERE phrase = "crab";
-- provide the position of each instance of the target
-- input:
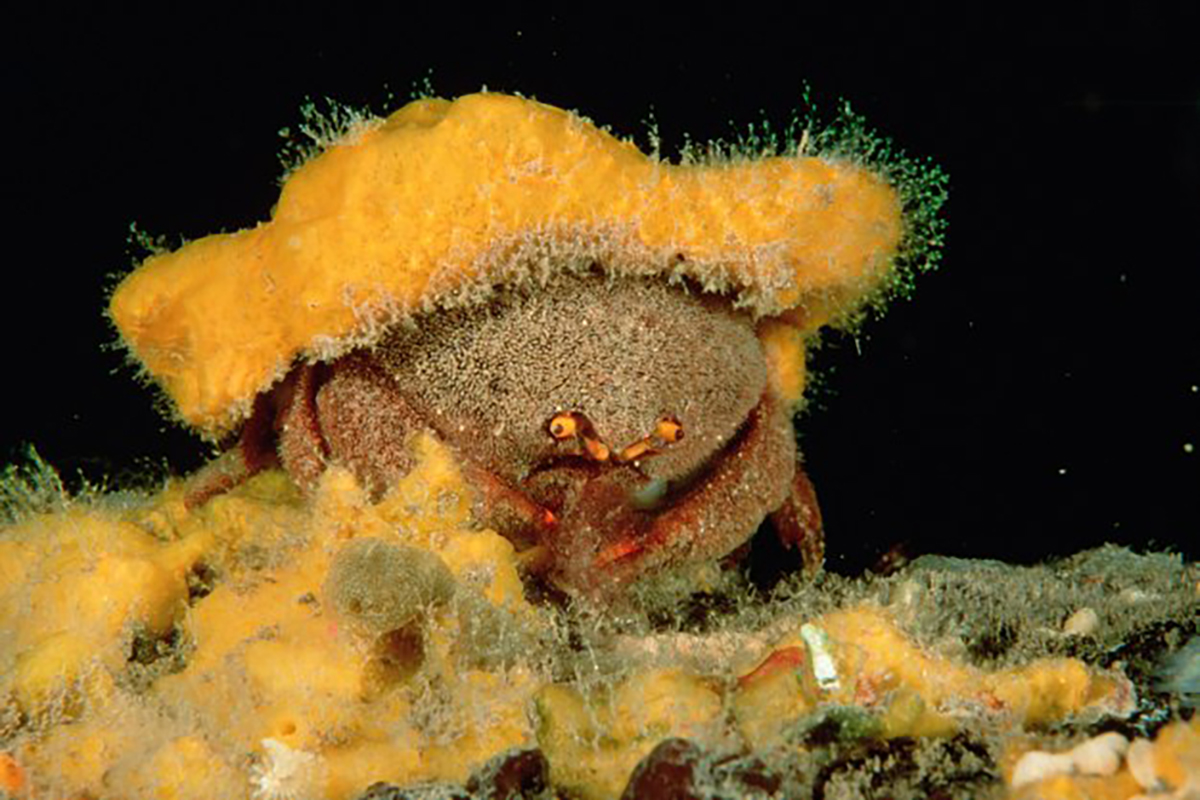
(616, 427)
(611, 345)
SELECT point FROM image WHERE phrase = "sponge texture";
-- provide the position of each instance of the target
(441, 201)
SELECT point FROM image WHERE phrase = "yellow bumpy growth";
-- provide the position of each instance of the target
(442, 200)
(273, 674)
(275, 690)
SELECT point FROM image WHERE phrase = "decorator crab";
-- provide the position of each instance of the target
(612, 346)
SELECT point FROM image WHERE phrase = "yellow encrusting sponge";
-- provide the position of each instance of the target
(442, 200)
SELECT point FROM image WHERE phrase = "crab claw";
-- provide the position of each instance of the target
(606, 542)
(509, 511)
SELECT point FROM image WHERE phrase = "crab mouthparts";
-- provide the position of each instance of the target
(613, 525)
(647, 496)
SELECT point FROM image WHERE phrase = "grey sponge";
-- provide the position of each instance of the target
(379, 586)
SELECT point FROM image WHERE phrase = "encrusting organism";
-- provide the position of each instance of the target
(379, 586)
(386, 592)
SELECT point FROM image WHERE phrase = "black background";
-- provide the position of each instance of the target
(1039, 393)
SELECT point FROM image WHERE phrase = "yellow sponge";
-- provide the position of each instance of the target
(442, 200)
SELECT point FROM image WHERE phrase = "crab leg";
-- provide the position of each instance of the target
(798, 523)
(301, 446)
(252, 453)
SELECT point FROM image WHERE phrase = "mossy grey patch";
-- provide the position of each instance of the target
(378, 586)
(836, 725)
(959, 767)
(1179, 673)
(490, 637)
(1001, 614)
(385, 590)
(936, 563)
(152, 656)
(421, 791)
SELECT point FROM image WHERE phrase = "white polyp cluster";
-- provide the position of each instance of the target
(1098, 756)
(284, 773)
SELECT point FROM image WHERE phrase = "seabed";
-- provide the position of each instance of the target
(243, 650)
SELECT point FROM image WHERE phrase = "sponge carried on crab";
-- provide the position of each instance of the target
(442, 200)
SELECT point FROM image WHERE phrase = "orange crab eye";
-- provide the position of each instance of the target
(563, 426)
(669, 430)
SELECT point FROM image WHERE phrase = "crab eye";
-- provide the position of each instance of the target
(668, 429)
(574, 425)
(562, 426)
